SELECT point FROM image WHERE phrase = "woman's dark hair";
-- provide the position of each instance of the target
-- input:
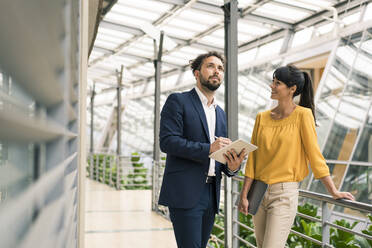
(291, 75)
(198, 61)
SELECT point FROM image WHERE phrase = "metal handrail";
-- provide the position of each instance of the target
(340, 202)
(324, 199)
(97, 170)
(326, 214)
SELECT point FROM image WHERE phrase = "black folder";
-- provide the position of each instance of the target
(255, 195)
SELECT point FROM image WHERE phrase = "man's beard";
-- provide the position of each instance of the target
(208, 84)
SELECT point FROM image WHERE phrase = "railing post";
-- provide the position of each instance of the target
(156, 155)
(118, 172)
(91, 165)
(154, 182)
(231, 107)
(92, 118)
(104, 169)
(96, 167)
(326, 213)
(110, 173)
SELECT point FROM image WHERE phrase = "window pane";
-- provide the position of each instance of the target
(254, 95)
(358, 181)
(340, 142)
(331, 91)
(317, 185)
(350, 105)
(363, 150)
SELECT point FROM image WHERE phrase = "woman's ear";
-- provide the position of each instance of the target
(293, 89)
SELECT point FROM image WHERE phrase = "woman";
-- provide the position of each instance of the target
(287, 142)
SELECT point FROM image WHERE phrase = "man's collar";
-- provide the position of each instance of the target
(204, 99)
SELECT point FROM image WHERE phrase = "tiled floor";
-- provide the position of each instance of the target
(123, 219)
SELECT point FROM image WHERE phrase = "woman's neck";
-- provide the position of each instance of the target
(284, 109)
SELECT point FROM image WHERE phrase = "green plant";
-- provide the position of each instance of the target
(104, 161)
(305, 226)
(220, 234)
(245, 233)
(366, 242)
(338, 238)
(341, 238)
(137, 179)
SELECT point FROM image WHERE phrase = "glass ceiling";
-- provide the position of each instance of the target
(127, 32)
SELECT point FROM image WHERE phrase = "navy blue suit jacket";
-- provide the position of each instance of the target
(184, 136)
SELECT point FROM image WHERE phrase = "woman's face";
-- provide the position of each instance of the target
(280, 91)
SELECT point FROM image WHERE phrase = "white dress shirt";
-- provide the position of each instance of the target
(210, 114)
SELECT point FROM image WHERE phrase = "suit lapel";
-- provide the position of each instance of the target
(199, 108)
(220, 121)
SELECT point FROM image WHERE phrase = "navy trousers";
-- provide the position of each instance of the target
(192, 227)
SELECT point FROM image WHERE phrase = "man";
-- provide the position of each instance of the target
(192, 126)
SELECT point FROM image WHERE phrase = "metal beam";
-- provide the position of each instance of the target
(261, 40)
(316, 18)
(203, 6)
(118, 96)
(138, 31)
(288, 38)
(319, 17)
(91, 118)
(189, 42)
(157, 65)
(268, 20)
(246, 14)
(121, 28)
(294, 7)
(109, 4)
(133, 56)
(175, 2)
(231, 107)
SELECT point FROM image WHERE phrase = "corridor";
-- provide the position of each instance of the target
(123, 219)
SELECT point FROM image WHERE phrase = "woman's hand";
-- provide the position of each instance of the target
(343, 195)
(243, 202)
(331, 188)
(243, 205)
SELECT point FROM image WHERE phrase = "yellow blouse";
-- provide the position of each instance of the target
(285, 147)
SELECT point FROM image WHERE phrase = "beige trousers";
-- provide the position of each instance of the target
(276, 214)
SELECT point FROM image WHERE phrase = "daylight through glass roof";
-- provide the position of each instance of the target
(127, 32)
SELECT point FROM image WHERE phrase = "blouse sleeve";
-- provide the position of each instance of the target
(251, 162)
(310, 143)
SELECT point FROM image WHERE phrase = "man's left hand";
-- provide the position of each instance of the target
(234, 160)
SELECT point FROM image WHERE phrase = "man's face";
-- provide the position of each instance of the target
(211, 73)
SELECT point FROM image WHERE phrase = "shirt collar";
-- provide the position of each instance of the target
(204, 99)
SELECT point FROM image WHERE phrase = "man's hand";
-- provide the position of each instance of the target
(219, 143)
(233, 160)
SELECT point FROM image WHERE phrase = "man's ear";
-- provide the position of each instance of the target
(196, 73)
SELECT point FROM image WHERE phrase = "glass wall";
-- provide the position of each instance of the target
(138, 126)
(39, 122)
(344, 116)
(254, 95)
(343, 111)
(16, 159)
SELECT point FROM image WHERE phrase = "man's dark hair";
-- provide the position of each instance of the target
(197, 63)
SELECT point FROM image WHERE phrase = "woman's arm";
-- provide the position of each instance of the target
(331, 188)
(243, 202)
